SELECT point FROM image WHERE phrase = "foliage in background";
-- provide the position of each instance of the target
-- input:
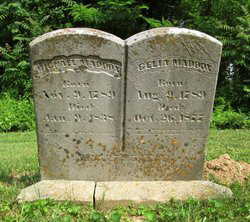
(227, 20)
(16, 114)
(225, 117)
(20, 22)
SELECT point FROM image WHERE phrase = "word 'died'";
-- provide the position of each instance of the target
(76, 64)
(78, 107)
(167, 107)
(175, 63)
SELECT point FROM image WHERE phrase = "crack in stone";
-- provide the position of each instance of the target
(94, 199)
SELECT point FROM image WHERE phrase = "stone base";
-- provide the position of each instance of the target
(109, 194)
(79, 191)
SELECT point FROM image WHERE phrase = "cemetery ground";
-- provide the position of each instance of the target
(19, 169)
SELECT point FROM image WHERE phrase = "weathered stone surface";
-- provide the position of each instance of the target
(78, 90)
(79, 191)
(109, 194)
(92, 125)
(171, 81)
(83, 132)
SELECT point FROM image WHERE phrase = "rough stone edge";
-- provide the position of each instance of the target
(77, 31)
(100, 194)
(140, 192)
(59, 190)
(169, 31)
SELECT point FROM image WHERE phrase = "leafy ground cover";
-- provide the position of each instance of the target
(19, 168)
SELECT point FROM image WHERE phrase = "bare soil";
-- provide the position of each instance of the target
(227, 170)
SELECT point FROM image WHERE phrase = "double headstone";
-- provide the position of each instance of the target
(115, 110)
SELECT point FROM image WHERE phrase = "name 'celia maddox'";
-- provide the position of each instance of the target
(175, 62)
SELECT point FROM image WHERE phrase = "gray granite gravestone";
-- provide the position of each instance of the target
(78, 81)
(121, 117)
(171, 81)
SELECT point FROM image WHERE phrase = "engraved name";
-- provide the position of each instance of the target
(76, 64)
(175, 62)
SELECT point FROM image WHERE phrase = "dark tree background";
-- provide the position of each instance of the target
(227, 20)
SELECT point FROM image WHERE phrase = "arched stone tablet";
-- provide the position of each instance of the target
(78, 78)
(171, 81)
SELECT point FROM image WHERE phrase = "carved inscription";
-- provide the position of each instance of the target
(149, 123)
(79, 101)
(171, 95)
(78, 118)
(170, 106)
(71, 84)
(171, 84)
(76, 64)
(167, 83)
(195, 48)
(170, 118)
(176, 63)
(80, 96)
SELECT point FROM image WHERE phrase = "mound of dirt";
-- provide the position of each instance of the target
(227, 170)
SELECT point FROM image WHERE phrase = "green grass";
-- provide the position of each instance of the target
(236, 143)
(19, 168)
(18, 163)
